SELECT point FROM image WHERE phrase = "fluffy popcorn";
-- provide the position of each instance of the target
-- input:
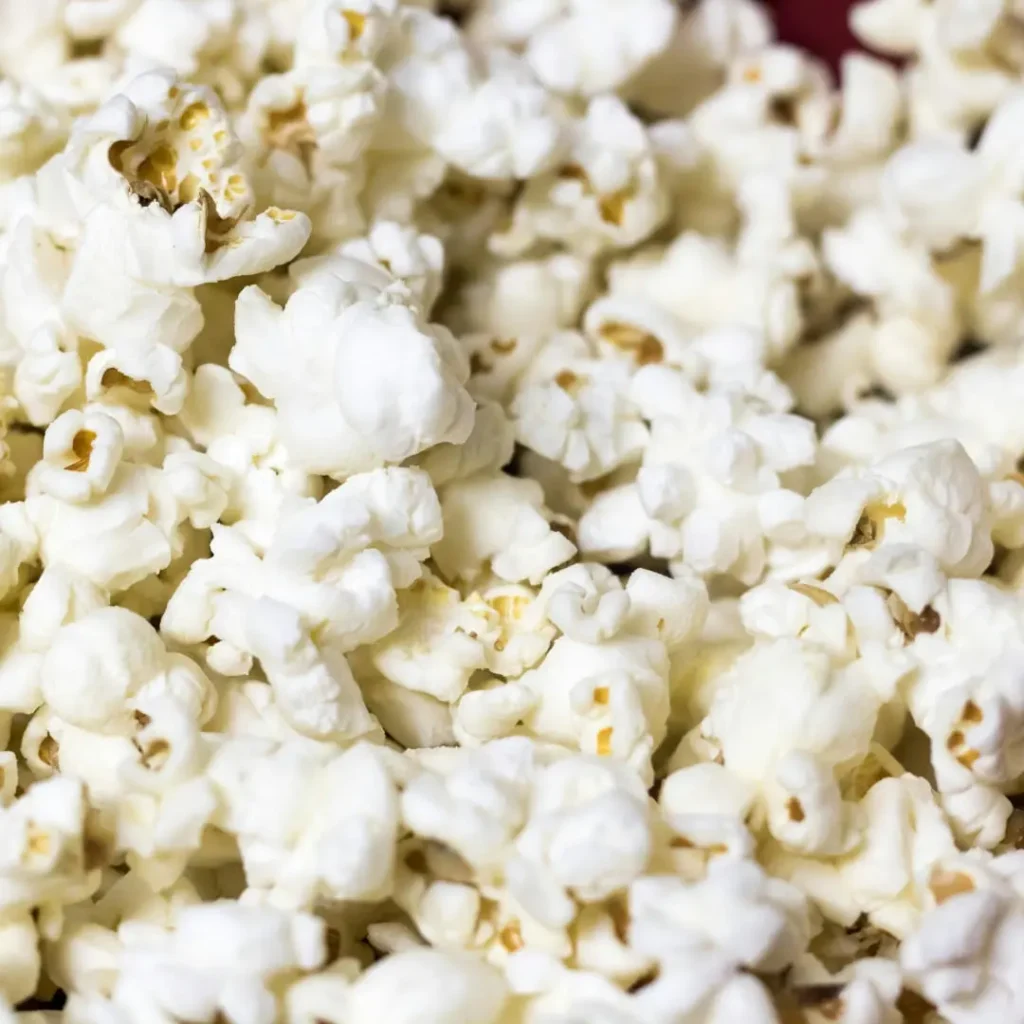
(711, 476)
(498, 521)
(607, 195)
(231, 955)
(573, 409)
(504, 515)
(343, 406)
(581, 49)
(133, 514)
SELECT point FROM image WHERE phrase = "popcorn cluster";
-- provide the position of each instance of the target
(510, 513)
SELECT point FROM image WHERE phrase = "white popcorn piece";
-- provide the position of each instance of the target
(328, 845)
(574, 409)
(383, 388)
(703, 935)
(608, 195)
(962, 956)
(431, 987)
(232, 956)
(499, 521)
(577, 48)
(42, 859)
(89, 509)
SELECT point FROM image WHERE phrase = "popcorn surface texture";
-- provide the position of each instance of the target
(511, 512)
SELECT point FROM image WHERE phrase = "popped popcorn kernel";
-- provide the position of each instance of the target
(510, 511)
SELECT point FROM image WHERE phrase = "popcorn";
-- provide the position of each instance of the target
(503, 513)
(498, 521)
(360, 420)
(608, 195)
(231, 955)
(575, 48)
(573, 409)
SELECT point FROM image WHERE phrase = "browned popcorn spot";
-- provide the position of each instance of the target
(619, 915)
(947, 884)
(574, 172)
(911, 624)
(503, 347)
(592, 488)
(416, 861)
(477, 364)
(604, 741)
(752, 74)
(782, 110)
(642, 345)
(795, 809)
(156, 754)
(81, 446)
(915, 1008)
(956, 738)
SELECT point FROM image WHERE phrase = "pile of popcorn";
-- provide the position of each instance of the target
(511, 512)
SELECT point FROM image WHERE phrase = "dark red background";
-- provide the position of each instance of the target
(815, 25)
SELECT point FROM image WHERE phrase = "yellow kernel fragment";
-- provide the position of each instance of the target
(818, 595)
(511, 936)
(193, 116)
(604, 741)
(195, 145)
(612, 207)
(81, 447)
(37, 841)
(356, 23)
(509, 606)
(601, 695)
(968, 757)
(159, 168)
(49, 751)
(972, 713)
(643, 346)
(568, 381)
(946, 884)
(114, 378)
(280, 216)
(502, 347)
